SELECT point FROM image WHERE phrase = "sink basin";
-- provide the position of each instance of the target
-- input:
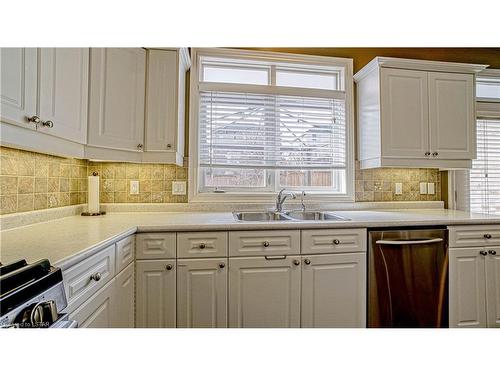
(260, 216)
(314, 215)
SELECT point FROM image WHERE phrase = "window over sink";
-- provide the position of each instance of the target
(264, 121)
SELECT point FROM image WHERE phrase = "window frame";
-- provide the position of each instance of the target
(486, 108)
(196, 85)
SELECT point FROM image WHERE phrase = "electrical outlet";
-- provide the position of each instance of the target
(423, 188)
(178, 187)
(399, 188)
(431, 188)
(134, 187)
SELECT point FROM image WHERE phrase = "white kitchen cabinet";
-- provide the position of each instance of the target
(117, 95)
(452, 118)
(124, 304)
(405, 115)
(63, 92)
(156, 293)
(467, 288)
(264, 292)
(416, 113)
(97, 311)
(18, 85)
(493, 287)
(202, 293)
(165, 105)
(334, 291)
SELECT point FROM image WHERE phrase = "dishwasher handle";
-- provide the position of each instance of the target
(408, 242)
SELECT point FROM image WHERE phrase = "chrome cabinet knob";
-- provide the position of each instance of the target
(34, 120)
(483, 253)
(492, 252)
(307, 261)
(96, 276)
(48, 124)
(202, 245)
(336, 242)
(169, 267)
(169, 145)
(222, 265)
(435, 154)
(427, 153)
(140, 146)
(296, 262)
(266, 244)
(487, 236)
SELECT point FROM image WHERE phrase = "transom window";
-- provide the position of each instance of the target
(269, 121)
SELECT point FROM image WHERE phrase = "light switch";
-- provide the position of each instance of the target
(431, 188)
(423, 188)
(134, 187)
(399, 188)
(178, 187)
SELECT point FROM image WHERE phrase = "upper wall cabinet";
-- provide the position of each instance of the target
(63, 87)
(165, 105)
(18, 85)
(45, 90)
(117, 90)
(415, 113)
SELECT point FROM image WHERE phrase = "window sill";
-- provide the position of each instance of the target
(266, 197)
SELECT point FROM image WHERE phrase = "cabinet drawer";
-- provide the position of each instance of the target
(125, 252)
(83, 279)
(321, 241)
(474, 235)
(201, 244)
(155, 245)
(97, 311)
(269, 242)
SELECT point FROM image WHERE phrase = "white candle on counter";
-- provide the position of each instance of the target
(93, 195)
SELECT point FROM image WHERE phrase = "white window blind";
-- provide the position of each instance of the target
(485, 174)
(247, 130)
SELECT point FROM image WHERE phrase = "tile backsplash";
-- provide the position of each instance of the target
(33, 181)
(376, 185)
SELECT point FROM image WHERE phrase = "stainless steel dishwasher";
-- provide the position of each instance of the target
(408, 278)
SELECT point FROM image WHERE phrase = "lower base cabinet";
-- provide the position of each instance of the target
(98, 311)
(124, 315)
(334, 291)
(156, 293)
(474, 289)
(202, 293)
(264, 292)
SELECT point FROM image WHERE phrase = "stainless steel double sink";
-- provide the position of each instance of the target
(287, 216)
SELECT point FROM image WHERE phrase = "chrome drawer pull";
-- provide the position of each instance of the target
(275, 257)
(492, 252)
(96, 276)
(487, 236)
(336, 242)
(483, 253)
(169, 267)
(266, 244)
(202, 245)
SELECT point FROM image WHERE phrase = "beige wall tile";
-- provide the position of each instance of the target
(40, 201)
(8, 204)
(8, 185)
(25, 202)
(26, 185)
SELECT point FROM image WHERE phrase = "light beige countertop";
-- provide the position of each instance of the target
(68, 240)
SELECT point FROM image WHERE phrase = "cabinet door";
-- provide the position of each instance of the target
(264, 292)
(124, 301)
(117, 94)
(202, 293)
(404, 113)
(493, 287)
(98, 311)
(451, 116)
(156, 293)
(162, 99)
(467, 288)
(63, 92)
(18, 85)
(334, 291)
